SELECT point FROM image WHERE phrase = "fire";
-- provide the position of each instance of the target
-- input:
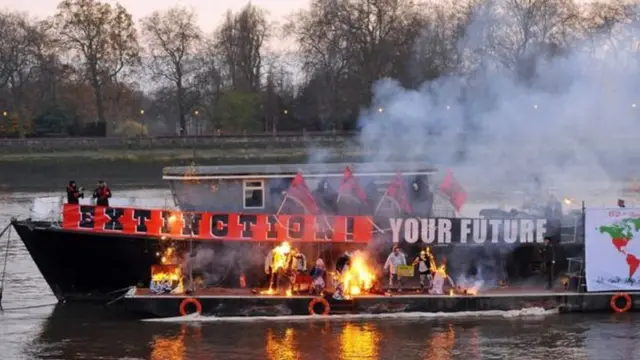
(281, 255)
(360, 277)
(168, 274)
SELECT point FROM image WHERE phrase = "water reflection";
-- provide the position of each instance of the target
(174, 347)
(281, 347)
(359, 341)
(441, 344)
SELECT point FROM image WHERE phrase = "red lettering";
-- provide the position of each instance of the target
(302, 228)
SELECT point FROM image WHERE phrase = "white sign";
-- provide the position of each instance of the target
(612, 249)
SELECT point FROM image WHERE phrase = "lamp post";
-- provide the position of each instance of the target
(196, 113)
(141, 122)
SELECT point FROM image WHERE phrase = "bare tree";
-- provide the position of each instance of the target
(22, 52)
(102, 38)
(240, 42)
(172, 40)
(523, 29)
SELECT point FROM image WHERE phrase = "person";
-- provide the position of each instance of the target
(102, 194)
(318, 274)
(621, 203)
(424, 270)
(298, 262)
(549, 261)
(74, 194)
(391, 265)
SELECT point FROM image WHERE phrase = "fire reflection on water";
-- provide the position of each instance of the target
(174, 347)
(441, 344)
(359, 341)
(281, 347)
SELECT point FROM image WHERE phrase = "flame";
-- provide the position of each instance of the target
(281, 256)
(288, 292)
(360, 277)
(169, 272)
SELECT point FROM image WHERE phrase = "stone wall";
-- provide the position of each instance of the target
(224, 142)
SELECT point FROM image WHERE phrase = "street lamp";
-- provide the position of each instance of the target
(380, 109)
(141, 122)
(286, 111)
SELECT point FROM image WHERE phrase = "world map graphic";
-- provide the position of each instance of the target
(622, 233)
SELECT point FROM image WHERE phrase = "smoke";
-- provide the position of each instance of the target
(218, 265)
(516, 120)
(564, 126)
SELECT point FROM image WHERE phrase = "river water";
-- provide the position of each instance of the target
(33, 328)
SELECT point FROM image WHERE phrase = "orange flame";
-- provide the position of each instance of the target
(360, 276)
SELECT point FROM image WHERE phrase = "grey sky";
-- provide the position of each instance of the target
(209, 11)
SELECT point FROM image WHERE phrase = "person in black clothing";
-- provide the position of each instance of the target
(343, 263)
(549, 261)
(621, 203)
(74, 194)
(102, 194)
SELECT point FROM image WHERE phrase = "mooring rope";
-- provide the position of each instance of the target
(6, 260)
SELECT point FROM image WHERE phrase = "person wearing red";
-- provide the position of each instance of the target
(73, 193)
(102, 194)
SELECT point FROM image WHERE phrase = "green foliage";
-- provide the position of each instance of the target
(238, 111)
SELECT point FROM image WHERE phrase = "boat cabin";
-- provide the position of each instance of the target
(260, 189)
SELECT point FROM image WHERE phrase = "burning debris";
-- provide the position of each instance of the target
(359, 277)
(167, 277)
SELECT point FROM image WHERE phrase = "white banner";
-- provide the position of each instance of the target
(612, 249)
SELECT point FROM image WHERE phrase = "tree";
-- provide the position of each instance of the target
(22, 57)
(172, 40)
(102, 39)
(240, 43)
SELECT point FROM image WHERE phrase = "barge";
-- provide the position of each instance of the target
(225, 220)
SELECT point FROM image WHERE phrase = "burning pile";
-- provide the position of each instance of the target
(360, 277)
(440, 276)
(167, 277)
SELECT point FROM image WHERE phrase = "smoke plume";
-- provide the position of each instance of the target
(518, 118)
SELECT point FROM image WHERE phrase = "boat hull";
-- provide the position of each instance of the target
(144, 305)
(82, 266)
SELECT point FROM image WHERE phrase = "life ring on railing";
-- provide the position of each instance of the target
(326, 308)
(187, 301)
(626, 306)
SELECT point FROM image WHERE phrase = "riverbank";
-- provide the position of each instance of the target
(72, 146)
(134, 168)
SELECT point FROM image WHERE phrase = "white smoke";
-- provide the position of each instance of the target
(569, 129)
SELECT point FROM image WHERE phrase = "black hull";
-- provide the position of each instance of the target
(144, 306)
(100, 267)
(86, 267)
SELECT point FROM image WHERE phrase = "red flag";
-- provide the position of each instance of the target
(300, 193)
(396, 191)
(453, 191)
(349, 185)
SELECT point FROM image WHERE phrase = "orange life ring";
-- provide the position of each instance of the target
(615, 306)
(325, 304)
(187, 301)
